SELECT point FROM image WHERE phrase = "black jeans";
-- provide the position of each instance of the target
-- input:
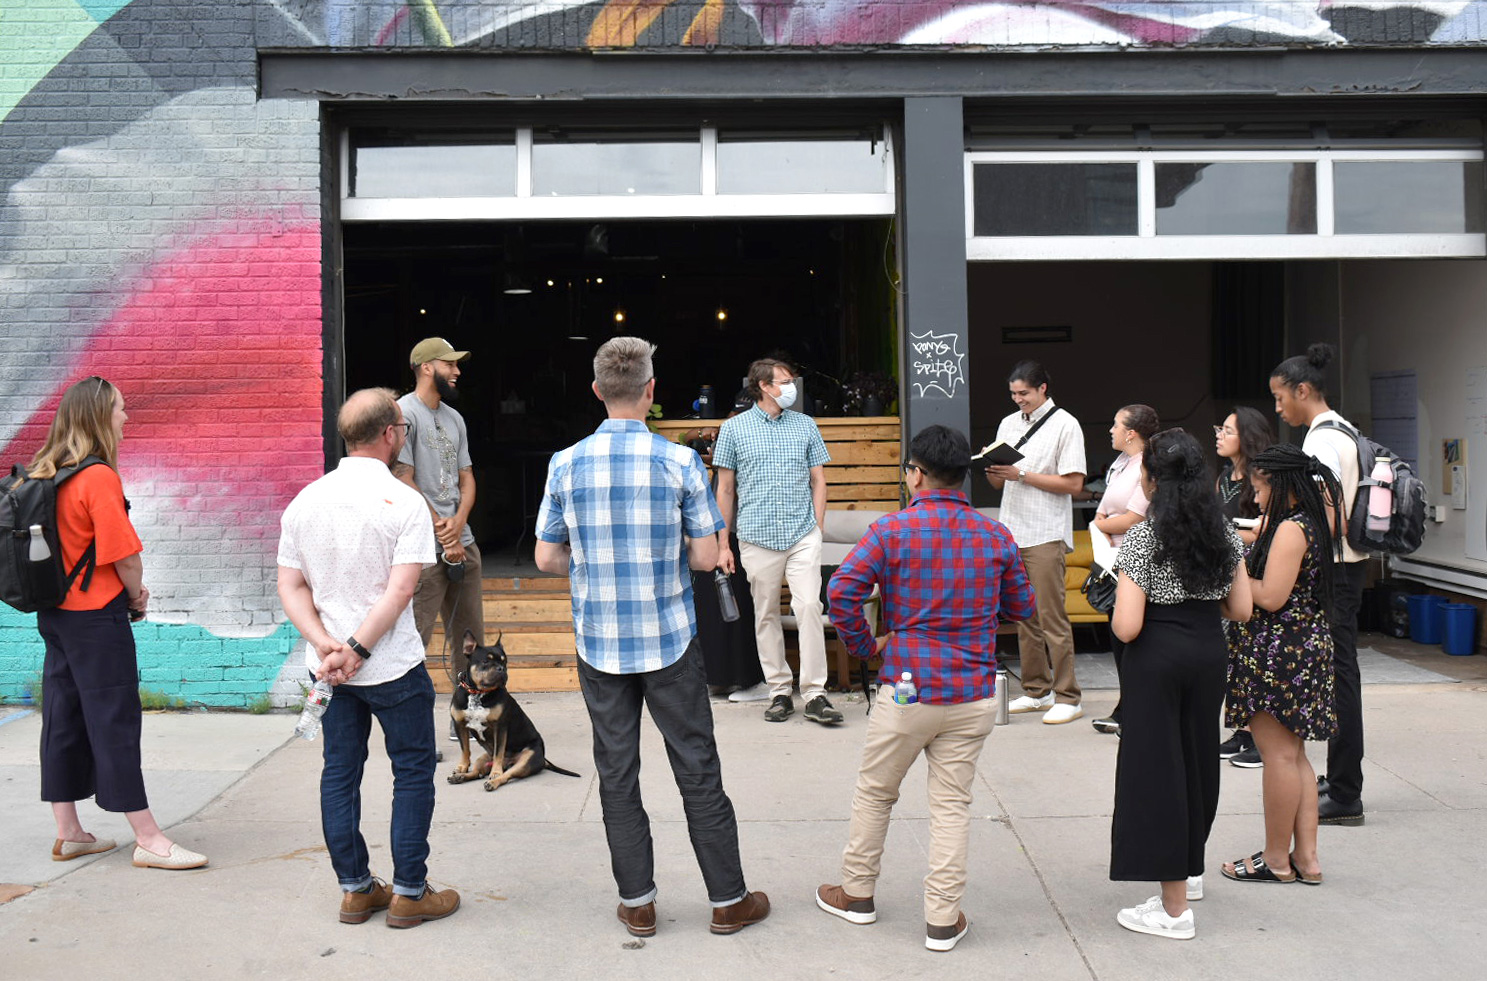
(676, 696)
(1345, 750)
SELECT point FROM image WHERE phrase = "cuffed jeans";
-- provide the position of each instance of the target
(405, 710)
(676, 696)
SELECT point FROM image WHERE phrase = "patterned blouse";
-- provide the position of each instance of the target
(1158, 580)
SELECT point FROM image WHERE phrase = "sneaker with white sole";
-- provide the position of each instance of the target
(943, 938)
(1195, 888)
(1062, 713)
(1150, 917)
(853, 909)
(754, 693)
(1027, 703)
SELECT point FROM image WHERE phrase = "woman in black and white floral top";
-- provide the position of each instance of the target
(1181, 574)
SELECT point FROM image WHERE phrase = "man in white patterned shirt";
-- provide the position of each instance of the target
(350, 550)
(1038, 508)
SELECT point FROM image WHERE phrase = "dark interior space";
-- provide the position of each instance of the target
(533, 301)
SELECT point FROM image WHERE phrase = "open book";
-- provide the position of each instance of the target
(998, 453)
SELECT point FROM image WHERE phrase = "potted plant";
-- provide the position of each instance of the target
(869, 393)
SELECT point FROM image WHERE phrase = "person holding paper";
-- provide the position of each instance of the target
(1038, 508)
(1123, 506)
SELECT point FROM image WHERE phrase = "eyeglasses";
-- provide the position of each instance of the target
(912, 466)
(1221, 431)
(403, 426)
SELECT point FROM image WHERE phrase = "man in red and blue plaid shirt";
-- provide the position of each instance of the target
(948, 575)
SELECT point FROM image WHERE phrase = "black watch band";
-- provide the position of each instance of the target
(355, 645)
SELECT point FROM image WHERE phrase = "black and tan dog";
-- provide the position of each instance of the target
(482, 708)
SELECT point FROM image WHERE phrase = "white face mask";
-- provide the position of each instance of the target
(786, 398)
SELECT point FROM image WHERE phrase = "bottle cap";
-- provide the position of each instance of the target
(906, 676)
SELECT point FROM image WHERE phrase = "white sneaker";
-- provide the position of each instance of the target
(757, 693)
(1027, 703)
(1062, 713)
(1195, 888)
(1150, 917)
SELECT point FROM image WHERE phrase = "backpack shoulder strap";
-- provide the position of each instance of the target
(88, 561)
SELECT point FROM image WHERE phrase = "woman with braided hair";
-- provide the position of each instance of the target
(1180, 574)
(1280, 668)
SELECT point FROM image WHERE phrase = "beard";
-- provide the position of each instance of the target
(447, 391)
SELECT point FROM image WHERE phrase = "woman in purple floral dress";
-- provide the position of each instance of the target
(1280, 662)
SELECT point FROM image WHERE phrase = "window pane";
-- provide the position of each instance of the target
(457, 171)
(1054, 199)
(801, 166)
(1441, 196)
(1236, 198)
(583, 165)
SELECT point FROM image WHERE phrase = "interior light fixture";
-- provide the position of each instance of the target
(515, 285)
(722, 314)
(619, 316)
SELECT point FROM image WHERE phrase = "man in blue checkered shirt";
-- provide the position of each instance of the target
(625, 513)
(772, 461)
(948, 575)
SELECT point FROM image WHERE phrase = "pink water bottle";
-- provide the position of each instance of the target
(1381, 497)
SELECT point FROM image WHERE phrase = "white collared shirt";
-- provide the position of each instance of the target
(1339, 451)
(1036, 516)
(344, 533)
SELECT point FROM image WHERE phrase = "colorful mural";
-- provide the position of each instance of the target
(563, 24)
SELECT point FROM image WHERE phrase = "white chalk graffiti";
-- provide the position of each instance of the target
(936, 364)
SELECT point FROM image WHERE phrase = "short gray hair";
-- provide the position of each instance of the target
(622, 367)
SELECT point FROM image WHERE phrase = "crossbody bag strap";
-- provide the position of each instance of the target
(1036, 426)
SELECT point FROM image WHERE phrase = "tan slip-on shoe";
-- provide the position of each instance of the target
(639, 920)
(179, 858)
(854, 909)
(748, 910)
(434, 904)
(358, 907)
(66, 851)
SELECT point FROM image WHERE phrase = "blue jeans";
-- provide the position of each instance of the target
(677, 698)
(405, 710)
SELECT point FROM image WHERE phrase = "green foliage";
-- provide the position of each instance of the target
(262, 705)
(157, 701)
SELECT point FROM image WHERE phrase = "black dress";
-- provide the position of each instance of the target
(1172, 684)
(730, 653)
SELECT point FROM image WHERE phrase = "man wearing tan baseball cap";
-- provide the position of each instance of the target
(435, 461)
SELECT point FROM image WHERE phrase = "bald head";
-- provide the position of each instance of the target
(366, 416)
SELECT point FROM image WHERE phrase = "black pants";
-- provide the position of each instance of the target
(1345, 750)
(90, 712)
(1117, 651)
(1167, 767)
(677, 699)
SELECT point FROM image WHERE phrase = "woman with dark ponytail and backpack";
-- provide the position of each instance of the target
(1300, 389)
(1181, 574)
(1280, 673)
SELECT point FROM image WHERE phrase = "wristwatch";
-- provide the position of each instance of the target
(355, 645)
(1021, 475)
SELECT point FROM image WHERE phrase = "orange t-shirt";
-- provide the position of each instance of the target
(90, 507)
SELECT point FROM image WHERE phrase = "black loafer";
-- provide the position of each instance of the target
(1332, 811)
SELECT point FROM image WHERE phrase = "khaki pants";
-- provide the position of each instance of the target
(951, 737)
(1045, 643)
(436, 598)
(800, 566)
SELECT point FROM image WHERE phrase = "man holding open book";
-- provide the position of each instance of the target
(1042, 451)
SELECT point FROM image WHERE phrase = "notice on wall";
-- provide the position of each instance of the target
(1476, 465)
(1394, 396)
(936, 364)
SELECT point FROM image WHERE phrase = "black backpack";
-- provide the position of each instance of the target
(37, 585)
(1406, 523)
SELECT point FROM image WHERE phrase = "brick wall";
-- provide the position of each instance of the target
(161, 227)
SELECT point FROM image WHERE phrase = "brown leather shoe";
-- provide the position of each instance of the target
(358, 907)
(434, 905)
(639, 920)
(853, 909)
(748, 910)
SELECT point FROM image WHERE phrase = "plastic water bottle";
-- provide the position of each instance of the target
(40, 551)
(1380, 497)
(727, 602)
(317, 700)
(904, 692)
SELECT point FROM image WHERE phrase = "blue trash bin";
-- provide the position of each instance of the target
(1459, 628)
(1425, 618)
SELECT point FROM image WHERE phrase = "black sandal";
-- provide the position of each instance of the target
(1256, 871)
(1302, 877)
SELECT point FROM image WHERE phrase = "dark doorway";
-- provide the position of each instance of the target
(533, 301)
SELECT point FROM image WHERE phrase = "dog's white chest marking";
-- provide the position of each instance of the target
(476, 717)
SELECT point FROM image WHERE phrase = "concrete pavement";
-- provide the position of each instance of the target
(530, 862)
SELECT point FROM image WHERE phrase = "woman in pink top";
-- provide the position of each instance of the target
(1124, 504)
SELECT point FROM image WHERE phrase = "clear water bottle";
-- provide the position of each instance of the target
(40, 551)
(727, 602)
(317, 700)
(904, 692)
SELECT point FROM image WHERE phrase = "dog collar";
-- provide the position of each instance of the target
(471, 689)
